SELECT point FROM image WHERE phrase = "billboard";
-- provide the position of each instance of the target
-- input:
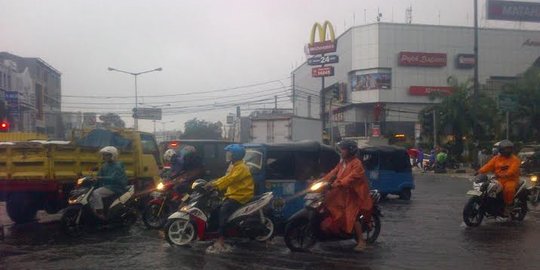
(371, 80)
(322, 46)
(513, 11)
(147, 113)
(12, 102)
(422, 59)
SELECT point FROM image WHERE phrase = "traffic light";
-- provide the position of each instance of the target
(4, 126)
(335, 93)
(427, 122)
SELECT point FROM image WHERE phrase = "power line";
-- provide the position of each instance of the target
(182, 94)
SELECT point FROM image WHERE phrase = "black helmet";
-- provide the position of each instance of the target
(350, 145)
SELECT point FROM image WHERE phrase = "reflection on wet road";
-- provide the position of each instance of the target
(425, 233)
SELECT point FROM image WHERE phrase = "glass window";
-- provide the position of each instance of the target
(254, 159)
(280, 165)
(210, 151)
(370, 161)
(149, 146)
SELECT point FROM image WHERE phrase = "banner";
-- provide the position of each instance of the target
(372, 80)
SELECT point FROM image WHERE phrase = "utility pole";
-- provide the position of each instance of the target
(275, 103)
(434, 129)
(293, 94)
(476, 84)
(507, 124)
(331, 122)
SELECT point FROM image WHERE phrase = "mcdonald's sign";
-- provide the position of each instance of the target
(322, 46)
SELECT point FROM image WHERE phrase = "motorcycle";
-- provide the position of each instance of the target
(487, 201)
(165, 200)
(303, 229)
(534, 190)
(199, 218)
(118, 210)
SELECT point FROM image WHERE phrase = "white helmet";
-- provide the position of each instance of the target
(169, 154)
(110, 150)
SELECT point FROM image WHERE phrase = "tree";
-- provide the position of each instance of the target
(112, 120)
(201, 129)
(527, 118)
(463, 116)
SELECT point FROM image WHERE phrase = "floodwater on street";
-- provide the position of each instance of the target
(425, 233)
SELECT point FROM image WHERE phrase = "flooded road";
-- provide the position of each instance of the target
(425, 233)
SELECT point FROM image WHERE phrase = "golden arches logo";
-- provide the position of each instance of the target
(322, 32)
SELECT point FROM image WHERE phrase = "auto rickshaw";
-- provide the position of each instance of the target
(286, 169)
(388, 169)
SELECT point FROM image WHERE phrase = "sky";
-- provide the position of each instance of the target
(214, 55)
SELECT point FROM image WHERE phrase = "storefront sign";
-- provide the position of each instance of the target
(465, 61)
(322, 60)
(531, 43)
(323, 45)
(421, 59)
(513, 11)
(322, 71)
(426, 90)
(375, 130)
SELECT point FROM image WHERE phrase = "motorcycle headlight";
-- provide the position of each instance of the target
(316, 186)
(80, 181)
(160, 186)
(534, 178)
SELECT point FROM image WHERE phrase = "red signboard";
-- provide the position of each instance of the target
(328, 46)
(421, 59)
(426, 90)
(322, 71)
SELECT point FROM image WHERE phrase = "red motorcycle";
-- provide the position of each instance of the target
(165, 201)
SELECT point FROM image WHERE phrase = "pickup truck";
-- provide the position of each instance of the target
(39, 174)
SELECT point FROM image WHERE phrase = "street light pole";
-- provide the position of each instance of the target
(135, 75)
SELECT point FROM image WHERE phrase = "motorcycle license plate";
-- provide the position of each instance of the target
(474, 193)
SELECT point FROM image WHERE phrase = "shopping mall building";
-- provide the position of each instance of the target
(386, 72)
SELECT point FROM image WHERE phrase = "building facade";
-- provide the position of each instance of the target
(31, 88)
(386, 72)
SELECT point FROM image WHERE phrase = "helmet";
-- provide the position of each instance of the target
(110, 150)
(237, 151)
(169, 154)
(350, 145)
(505, 147)
(198, 183)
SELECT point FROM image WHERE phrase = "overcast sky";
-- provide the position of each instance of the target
(202, 46)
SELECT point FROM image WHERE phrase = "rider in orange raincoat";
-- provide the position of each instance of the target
(505, 165)
(349, 195)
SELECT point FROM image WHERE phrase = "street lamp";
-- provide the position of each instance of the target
(135, 74)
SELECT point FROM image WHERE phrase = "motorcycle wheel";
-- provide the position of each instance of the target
(472, 214)
(372, 234)
(153, 218)
(69, 223)
(180, 232)
(299, 236)
(269, 224)
(520, 211)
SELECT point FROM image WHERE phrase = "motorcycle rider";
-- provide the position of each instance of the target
(505, 165)
(111, 180)
(349, 196)
(239, 189)
(187, 166)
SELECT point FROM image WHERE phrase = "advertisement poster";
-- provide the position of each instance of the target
(371, 80)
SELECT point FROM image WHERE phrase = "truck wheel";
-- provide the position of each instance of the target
(21, 207)
(405, 194)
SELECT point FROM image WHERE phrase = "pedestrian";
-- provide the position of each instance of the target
(420, 159)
